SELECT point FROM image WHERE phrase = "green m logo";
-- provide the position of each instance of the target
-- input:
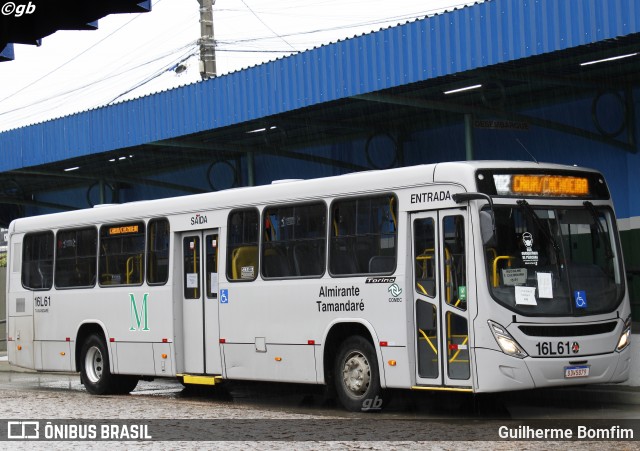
(143, 318)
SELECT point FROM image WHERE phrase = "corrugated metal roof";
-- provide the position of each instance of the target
(485, 34)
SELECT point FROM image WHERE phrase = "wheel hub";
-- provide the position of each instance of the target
(94, 364)
(356, 374)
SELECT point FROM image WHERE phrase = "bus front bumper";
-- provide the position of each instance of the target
(497, 371)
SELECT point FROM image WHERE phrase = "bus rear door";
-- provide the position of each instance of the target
(200, 302)
(19, 309)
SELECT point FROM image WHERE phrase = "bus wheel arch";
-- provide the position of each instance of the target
(351, 367)
(84, 332)
(93, 362)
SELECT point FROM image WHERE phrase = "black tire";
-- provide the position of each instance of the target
(94, 368)
(126, 384)
(356, 376)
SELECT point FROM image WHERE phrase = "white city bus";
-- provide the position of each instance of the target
(469, 276)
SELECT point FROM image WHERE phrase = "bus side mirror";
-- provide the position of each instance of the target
(487, 229)
(487, 218)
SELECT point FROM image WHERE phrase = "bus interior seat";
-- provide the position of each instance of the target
(343, 260)
(307, 259)
(243, 257)
(275, 263)
(382, 264)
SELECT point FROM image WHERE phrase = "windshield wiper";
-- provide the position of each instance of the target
(529, 211)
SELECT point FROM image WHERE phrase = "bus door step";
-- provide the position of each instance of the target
(200, 379)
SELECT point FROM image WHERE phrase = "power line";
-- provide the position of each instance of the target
(72, 59)
(406, 17)
(93, 83)
(155, 75)
(268, 27)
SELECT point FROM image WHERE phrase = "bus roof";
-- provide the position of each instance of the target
(461, 173)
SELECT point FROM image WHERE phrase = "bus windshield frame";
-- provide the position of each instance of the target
(555, 260)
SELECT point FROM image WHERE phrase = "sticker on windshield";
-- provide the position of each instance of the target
(529, 257)
(514, 276)
(545, 285)
(580, 298)
(526, 296)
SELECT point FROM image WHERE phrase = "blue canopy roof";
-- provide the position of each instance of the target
(486, 34)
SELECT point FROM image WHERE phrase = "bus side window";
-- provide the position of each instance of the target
(121, 254)
(363, 235)
(37, 261)
(158, 252)
(425, 264)
(454, 259)
(76, 257)
(294, 241)
(242, 244)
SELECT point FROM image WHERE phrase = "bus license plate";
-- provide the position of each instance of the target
(576, 371)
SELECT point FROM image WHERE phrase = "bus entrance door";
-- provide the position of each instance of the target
(200, 302)
(440, 292)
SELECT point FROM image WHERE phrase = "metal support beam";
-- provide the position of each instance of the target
(468, 136)
(35, 203)
(280, 152)
(102, 193)
(490, 112)
(132, 181)
(251, 170)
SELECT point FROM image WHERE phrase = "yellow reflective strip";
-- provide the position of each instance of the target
(465, 390)
(201, 380)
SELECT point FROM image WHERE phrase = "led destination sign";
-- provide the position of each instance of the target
(541, 185)
(531, 183)
(120, 230)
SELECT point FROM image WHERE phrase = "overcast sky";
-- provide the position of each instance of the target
(131, 55)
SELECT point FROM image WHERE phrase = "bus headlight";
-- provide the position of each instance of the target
(506, 342)
(623, 342)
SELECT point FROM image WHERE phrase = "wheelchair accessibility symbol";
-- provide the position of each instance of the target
(580, 298)
(224, 296)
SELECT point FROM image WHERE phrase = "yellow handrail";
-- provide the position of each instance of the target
(426, 255)
(458, 351)
(428, 341)
(130, 268)
(447, 274)
(393, 216)
(422, 289)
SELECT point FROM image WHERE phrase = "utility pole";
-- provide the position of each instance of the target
(206, 41)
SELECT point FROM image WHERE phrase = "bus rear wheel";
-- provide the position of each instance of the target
(96, 372)
(356, 376)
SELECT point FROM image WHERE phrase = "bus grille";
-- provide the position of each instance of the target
(568, 331)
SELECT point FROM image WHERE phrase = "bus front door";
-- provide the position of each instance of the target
(200, 302)
(440, 293)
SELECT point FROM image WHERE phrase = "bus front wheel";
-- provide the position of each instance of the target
(96, 373)
(357, 377)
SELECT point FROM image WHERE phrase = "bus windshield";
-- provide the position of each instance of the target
(555, 261)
